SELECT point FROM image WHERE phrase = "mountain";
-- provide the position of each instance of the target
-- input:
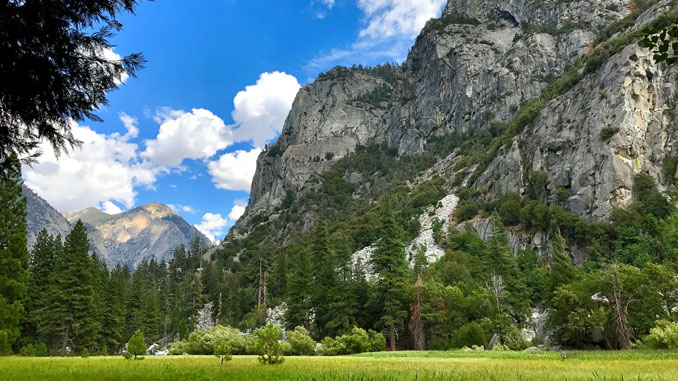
(41, 215)
(147, 232)
(494, 95)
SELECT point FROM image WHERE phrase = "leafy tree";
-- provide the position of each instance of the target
(388, 260)
(137, 344)
(469, 335)
(13, 252)
(663, 336)
(223, 350)
(268, 344)
(53, 68)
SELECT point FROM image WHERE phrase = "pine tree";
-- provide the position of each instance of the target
(72, 295)
(299, 284)
(500, 264)
(416, 323)
(389, 261)
(41, 265)
(13, 254)
(562, 272)
(137, 344)
(324, 278)
(113, 321)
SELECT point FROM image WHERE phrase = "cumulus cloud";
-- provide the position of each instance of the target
(238, 209)
(198, 134)
(212, 225)
(110, 208)
(106, 169)
(390, 28)
(130, 124)
(234, 171)
(260, 110)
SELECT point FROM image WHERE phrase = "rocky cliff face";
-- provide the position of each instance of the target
(470, 70)
(40, 215)
(148, 232)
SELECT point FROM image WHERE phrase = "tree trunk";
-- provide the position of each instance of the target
(391, 337)
(63, 346)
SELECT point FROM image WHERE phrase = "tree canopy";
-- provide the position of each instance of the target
(54, 68)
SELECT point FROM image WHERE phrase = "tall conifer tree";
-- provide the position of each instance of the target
(13, 253)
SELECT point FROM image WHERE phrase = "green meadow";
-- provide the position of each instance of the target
(454, 365)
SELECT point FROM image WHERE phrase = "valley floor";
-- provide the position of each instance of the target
(455, 365)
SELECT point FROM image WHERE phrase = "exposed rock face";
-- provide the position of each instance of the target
(148, 232)
(471, 69)
(40, 215)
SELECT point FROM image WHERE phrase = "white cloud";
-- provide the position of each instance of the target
(238, 209)
(110, 208)
(212, 225)
(195, 135)
(130, 124)
(107, 168)
(328, 3)
(390, 27)
(260, 110)
(234, 171)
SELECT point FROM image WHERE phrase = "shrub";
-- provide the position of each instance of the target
(300, 342)
(466, 209)
(510, 212)
(137, 344)
(469, 335)
(377, 341)
(34, 350)
(329, 347)
(606, 133)
(663, 336)
(356, 342)
(268, 344)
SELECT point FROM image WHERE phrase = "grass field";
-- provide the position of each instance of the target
(374, 366)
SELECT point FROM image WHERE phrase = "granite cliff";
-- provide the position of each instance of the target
(563, 86)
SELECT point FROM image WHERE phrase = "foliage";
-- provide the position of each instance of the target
(663, 336)
(13, 253)
(469, 335)
(301, 342)
(137, 344)
(53, 69)
(223, 350)
(268, 344)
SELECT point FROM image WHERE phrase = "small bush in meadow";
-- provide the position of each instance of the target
(137, 344)
(268, 344)
(223, 350)
(663, 336)
(300, 342)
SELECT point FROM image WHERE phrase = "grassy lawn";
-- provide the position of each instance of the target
(374, 366)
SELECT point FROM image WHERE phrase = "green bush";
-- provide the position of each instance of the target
(663, 336)
(469, 335)
(377, 341)
(300, 342)
(223, 350)
(466, 209)
(510, 212)
(33, 350)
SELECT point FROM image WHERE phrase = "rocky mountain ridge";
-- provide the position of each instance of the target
(147, 232)
(482, 66)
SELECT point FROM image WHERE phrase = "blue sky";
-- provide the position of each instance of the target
(220, 79)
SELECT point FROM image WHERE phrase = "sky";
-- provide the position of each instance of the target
(220, 79)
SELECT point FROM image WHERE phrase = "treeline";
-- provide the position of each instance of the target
(74, 304)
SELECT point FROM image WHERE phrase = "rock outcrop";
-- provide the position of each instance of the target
(471, 70)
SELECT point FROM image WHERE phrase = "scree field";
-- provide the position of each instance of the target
(376, 366)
